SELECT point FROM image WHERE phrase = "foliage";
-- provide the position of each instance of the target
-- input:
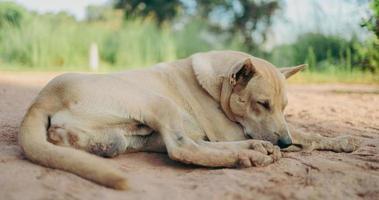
(248, 18)
(159, 10)
(323, 53)
(11, 14)
(99, 13)
(59, 41)
(369, 53)
(372, 23)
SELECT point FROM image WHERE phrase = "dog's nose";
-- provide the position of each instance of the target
(284, 142)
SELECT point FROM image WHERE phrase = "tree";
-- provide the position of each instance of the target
(96, 12)
(369, 53)
(319, 51)
(11, 14)
(159, 10)
(372, 23)
(249, 19)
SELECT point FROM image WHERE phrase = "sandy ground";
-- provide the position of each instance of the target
(330, 110)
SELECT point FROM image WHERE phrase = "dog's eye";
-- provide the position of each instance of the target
(264, 104)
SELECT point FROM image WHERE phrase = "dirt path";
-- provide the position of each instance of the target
(330, 110)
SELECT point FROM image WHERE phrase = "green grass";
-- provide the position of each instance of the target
(306, 77)
(356, 77)
(59, 43)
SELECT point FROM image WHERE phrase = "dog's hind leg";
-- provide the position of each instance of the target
(102, 139)
(310, 141)
(101, 142)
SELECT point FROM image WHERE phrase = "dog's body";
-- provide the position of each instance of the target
(201, 110)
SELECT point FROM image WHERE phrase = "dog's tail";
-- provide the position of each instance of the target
(33, 141)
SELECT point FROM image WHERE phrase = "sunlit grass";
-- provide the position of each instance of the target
(357, 77)
(59, 45)
(63, 44)
(306, 77)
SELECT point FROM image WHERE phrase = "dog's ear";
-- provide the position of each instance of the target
(213, 68)
(241, 74)
(206, 74)
(289, 71)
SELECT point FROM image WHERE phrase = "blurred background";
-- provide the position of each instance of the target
(338, 39)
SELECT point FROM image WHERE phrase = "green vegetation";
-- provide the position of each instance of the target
(59, 42)
(339, 76)
(30, 41)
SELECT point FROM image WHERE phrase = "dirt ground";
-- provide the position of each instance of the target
(330, 110)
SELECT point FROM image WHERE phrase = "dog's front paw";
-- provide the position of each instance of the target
(345, 144)
(264, 147)
(250, 158)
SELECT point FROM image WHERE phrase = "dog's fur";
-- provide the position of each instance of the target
(216, 109)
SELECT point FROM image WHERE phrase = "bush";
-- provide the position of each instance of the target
(58, 41)
(320, 52)
(11, 14)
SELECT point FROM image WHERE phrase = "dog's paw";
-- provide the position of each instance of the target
(253, 158)
(345, 144)
(264, 147)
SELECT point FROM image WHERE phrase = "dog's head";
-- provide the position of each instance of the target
(251, 91)
(258, 99)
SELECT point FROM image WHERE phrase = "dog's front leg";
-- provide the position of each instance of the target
(184, 149)
(310, 141)
(262, 146)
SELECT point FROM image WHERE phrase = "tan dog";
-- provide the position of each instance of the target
(216, 109)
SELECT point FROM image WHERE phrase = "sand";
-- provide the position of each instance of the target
(331, 110)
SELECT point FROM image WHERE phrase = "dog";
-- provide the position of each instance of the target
(213, 109)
